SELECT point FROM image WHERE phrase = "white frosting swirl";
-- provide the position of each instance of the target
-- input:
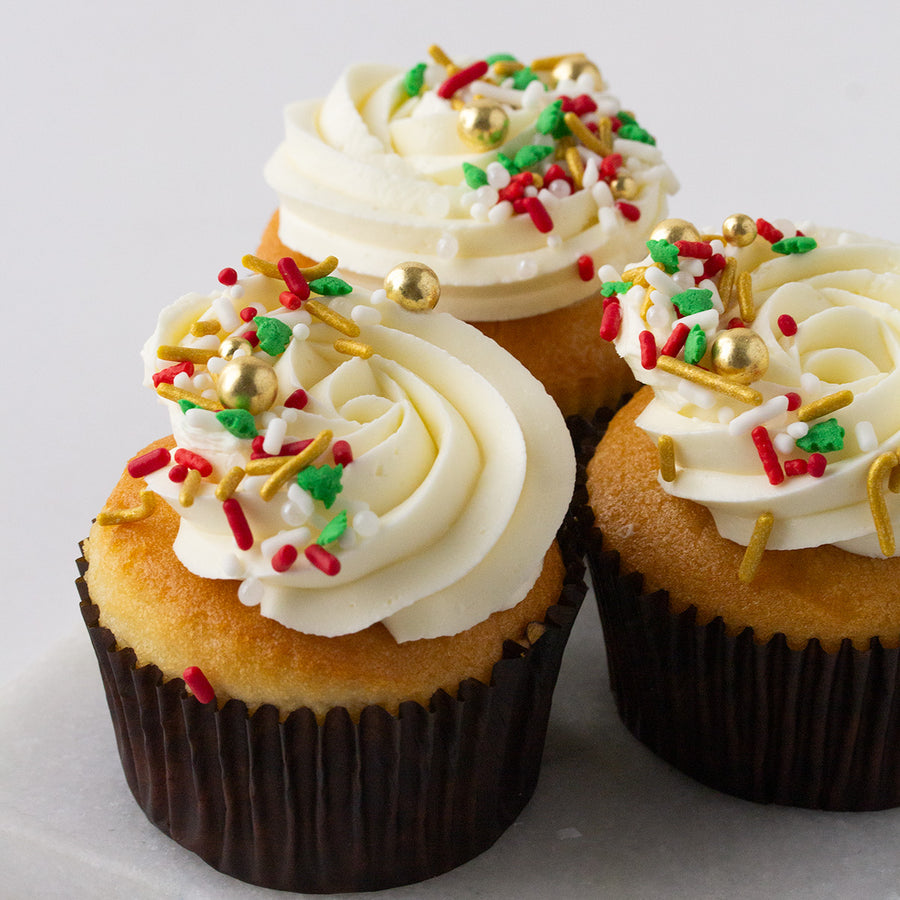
(845, 299)
(456, 487)
(377, 178)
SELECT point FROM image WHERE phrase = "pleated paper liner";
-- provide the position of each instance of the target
(758, 720)
(340, 805)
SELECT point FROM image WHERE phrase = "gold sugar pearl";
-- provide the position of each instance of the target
(414, 286)
(673, 230)
(624, 187)
(232, 344)
(740, 355)
(739, 230)
(571, 68)
(247, 383)
(483, 124)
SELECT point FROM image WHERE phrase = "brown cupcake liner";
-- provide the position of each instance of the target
(758, 720)
(340, 805)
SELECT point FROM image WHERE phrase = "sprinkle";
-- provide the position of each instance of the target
(238, 523)
(319, 270)
(748, 420)
(274, 437)
(726, 282)
(229, 484)
(647, 343)
(611, 321)
(274, 335)
(322, 559)
(169, 374)
(239, 422)
(894, 478)
(170, 392)
(289, 300)
(294, 464)
(193, 461)
(334, 529)
(816, 465)
(284, 558)
(576, 166)
(585, 267)
(203, 327)
(198, 683)
(666, 448)
(715, 264)
(768, 231)
(260, 266)
(228, 277)
(248, 313)
(181, 354)
(676, 340)
(583, 134)
(767, 455)
(611, 164)
(754, 552)
(342, 453)
(824, 406)
(178, 473)
(692, 301)
(798, 244)
(880, 467)
(545, 63)
(823, 437)
(441, 58)
(611, 288)
(664, 253)
(788, 325)
(330, 286)
(530, 155)
(135, 514)
(628, 210)
(637, 275)
(605, 137)
(709, 380)
(322, 483)
(292, 448)
(552, 121)
(695, 345)
(148, 462)
(539, 215)
(297, 400)
(795, 467)
(327, 315)
(189, 488)
(794, 400)
(414, 79)
(745, 296)
(460, 79)
(694, 249)
(353, 348)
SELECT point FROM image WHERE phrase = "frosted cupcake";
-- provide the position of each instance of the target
(330, 609)
(514, 182)
(748, 574)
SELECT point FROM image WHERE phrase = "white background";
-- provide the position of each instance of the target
(134, 137)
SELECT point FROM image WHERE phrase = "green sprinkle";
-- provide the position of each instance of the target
(797, 244)
(530, 155)
(692, 301)
(552, 120)
(330, 286)
(322, 482)
(615, 287)
(523, 78)
(186, 404)
(334, 529)
(823, 437)
(238, 422)
(273, 334)
(626, 118)
(499, 57)
(634, 132)
(665, 253)
(695, 345)
(507, 163)
(475, 176)
(414, 79)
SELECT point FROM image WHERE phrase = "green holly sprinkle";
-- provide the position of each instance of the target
(322, 482)
(695, 345)
(186, 404)
(610, 288)
(238, 422)
(334, 529)
(273, 334)
(499, 57)
(552, 121)
(523, 78)
(625, 117)
(692, 301)
(330, 286)
(665, 253)
(530, 155)
(797, 244)
(475, 176)
(414, 79)
(633, 132)
(823, 437)
(507, 163)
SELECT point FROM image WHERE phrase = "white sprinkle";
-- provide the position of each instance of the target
(527, 268)
(293, 516)
(602, 195)
(786, 226)
(809, 383)
(447, 246)
(250, 592)
(747, 421)
(531, 191)
(236, 291)
(275, 432)
(300, 331)
(202, 381)
(366, 523)
(660, 316)
(783, 443)
(607, 272)
(554, 241)
(497, 175)
(708, 320)
(606, 215)
(487, 194)
(182, 380)
(224, 311)
(303, 501)
(500, 213)
(479, 211)
(289, 414)
(215, 365)
(209, 394)
(379, 296)
(201, 419)
(295, 536)
(467, 199)
(866, 437)
(662, 282)
(241, 351)
(692, 266)
(697, 395)
(684, 280)
(798, 430)
(548, 198)
(559, 187)
(591, 174)
(567, 87)
(232, 567)
(533, 95)
(365, 315)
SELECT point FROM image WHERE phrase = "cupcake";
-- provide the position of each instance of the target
(330, 608)
(746, 505)
(514, 182)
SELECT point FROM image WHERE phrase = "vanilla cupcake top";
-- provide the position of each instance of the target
(343, 454)
(511, 181)
(773, 355)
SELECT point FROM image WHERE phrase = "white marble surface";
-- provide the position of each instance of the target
(608, 819)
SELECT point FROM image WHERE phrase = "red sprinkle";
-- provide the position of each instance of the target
(289, 300)
(768, 231)
(648, 349)
(293, 277)
(539, 214)
(767, 455)
(736, 323)
(615, 123)
(237, 521)
(168, 374)
(795, 467)
(461, 78)
(585, 267)
(193, 461)
(177, 474)
(611, 321)
(568, 104)
(248, 313)
(149, 462)
(198, 683)
(228, 277)
(694, 249)
(290, 449)
(342, 453)
(252, 337)
(788, 325)
(583, 104)
(713, 265)
(554, 173)
(284, 558)
(794, 400)
(816, 465)
(672, 347)
(322, 559)
(297, 400)
(628, 210)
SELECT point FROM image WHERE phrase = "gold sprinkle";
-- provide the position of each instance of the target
(228, 485)
(666, 448)
(637, 275)
(562, 145)
(726, 281)
(441, 58)
(754, 552)
(503, 68)
(605, 135)
(189, 488)
(545, 63)
(295, 463)
(265, 466)
(648, 302)
(576, 166)
(881, 466)
(171, 353)
(709, 380)
(135, 514)
(170, 392)
(353, 348)
(894, 479)
(320, 270)
(824, 405)
(260, 266)
(745, 297)
(583, 134)
(709, 238)
(327, 315)
(202, 327)
(537, 180)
